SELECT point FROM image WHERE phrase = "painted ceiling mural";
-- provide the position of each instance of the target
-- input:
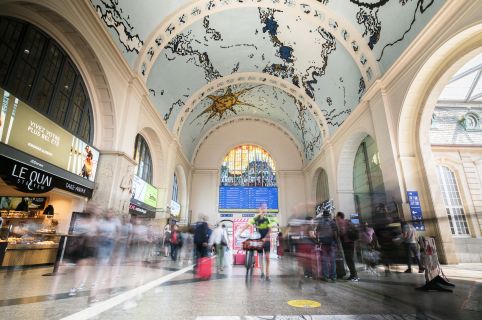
(255, 100)
(331, 50)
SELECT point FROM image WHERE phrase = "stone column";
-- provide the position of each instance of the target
(114, 181)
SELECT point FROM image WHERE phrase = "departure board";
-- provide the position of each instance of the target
(247, 199)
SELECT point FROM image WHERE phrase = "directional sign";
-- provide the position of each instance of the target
(415, 210)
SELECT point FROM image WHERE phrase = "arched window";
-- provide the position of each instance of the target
(175, 189)
(35, 69)
(368, 184)
(322, 188)
(143, 157)
(248, 165)
(452, 201)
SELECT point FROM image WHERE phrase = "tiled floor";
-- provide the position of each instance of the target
(29, 295)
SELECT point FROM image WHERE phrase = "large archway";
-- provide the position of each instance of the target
(419, 171)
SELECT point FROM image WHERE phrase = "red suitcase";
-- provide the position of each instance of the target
(204, 268)
(239, 258)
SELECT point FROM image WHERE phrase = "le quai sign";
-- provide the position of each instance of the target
(34, 180)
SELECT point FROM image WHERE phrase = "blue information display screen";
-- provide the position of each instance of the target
(247, 199)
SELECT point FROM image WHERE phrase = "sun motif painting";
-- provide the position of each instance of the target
(223, 103)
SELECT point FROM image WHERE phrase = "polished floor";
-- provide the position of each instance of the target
(166, 290)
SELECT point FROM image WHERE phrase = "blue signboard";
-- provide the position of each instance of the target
(247, 199)
(415, 210)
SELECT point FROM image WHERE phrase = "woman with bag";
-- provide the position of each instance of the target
(219, 238)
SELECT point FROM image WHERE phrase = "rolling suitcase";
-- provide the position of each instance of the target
(204, 268)
(239, 258)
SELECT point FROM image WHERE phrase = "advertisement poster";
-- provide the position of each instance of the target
(29, 131)
(175, 208)
(143, 193)
(238, 225)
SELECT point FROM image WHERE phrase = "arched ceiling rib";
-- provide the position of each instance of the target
(330, 50)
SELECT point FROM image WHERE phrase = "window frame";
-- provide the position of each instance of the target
(447, 199)
(40, 77)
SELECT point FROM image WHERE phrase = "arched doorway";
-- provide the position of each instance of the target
(368, 187)
(322, 186)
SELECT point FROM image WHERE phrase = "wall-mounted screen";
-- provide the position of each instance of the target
(27, 130)
(247, 199)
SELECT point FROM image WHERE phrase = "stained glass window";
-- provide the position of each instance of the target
(248, 165)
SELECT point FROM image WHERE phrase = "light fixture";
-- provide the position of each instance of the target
(26, 51)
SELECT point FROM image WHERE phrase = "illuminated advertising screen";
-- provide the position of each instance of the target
(24, 129)
(143, 194)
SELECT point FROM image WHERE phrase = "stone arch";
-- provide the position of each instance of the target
(43, 15)
(231, 146)
(255, 78)
(414, 125)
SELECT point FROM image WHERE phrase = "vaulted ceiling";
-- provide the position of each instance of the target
(302, 64)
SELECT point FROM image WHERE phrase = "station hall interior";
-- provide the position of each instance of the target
(241, 159)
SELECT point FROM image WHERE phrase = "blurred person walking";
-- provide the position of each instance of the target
(82, 249)
(219, 238)
(166, 239)
(409, 236)
(176, 242)
(107, 233)
(121, 250)
(369, 244)
(348, 236)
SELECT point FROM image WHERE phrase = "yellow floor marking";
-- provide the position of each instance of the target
(304, 304)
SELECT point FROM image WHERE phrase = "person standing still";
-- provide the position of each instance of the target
(219, 238)
(409, 236)
(201, 238)
(347, 238)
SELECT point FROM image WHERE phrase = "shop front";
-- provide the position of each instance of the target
(46, 174)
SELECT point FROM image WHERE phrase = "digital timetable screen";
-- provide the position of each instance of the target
(247, 199)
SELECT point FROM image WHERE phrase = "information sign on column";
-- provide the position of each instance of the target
(415, 210)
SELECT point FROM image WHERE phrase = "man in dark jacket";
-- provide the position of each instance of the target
(201, 238)
(348, 236)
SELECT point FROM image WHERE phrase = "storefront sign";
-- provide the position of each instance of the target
(141, 212)
(33, 180)
(415, 210)
(27, 130)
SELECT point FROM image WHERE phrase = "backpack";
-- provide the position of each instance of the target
(352, 233)
(174, 239)
(324, 231)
